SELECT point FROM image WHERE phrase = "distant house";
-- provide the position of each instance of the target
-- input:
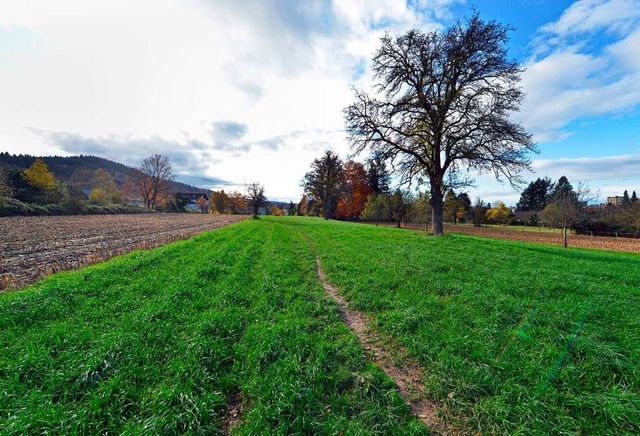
(192, 201)
(615, 201)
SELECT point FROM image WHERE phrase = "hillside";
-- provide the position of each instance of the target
(64, 166)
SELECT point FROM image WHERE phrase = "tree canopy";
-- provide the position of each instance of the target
(256, 197)
(536, 195)
(442, 102)
(152, 182)
(324, 182)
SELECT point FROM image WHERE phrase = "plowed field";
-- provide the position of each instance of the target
(548, 237)
(33, 247)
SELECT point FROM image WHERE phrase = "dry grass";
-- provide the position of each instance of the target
(544, 236)
(583, 241)
(34, 247)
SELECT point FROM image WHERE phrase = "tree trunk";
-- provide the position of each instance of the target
(564, 236)
(437, 207)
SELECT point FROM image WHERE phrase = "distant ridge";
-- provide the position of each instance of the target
(63, 167)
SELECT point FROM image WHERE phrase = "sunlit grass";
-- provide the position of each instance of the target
(159, 342)
(515, 338)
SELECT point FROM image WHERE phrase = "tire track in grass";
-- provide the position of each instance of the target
(407, 378)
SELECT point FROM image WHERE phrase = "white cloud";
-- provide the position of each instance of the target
(585, 16)
(254, 90)
(572, 75)
(590, 168)
(228, 89)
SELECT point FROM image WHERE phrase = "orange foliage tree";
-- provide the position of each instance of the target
(357, 190)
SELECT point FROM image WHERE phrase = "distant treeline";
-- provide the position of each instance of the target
(73, 185)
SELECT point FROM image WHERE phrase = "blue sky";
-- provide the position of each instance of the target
(238, 91)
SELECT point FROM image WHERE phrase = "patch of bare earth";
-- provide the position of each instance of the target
(34, 247)
(234, 412)
(393, 359)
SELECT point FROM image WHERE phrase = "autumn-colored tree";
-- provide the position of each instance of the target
(456, 206)
(220, 202)
(203, 204)
(152, 180)
(500, 214)
(104, 189)
(356, 190)
(275, 211)
(41, 182)
(302, 206)
(237, 203)
(39, 176)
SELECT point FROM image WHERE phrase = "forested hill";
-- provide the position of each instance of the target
(64, 166)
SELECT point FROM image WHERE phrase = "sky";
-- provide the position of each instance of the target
(236, 91)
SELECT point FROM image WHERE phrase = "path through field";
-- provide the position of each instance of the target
(33, 247)
(407, 374)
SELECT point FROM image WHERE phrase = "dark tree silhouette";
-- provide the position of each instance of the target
(153, 179)
(325, 181)
(536, 195)
(442, 103)
(378, 176)
(257, 199)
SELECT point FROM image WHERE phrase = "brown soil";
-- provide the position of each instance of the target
(33, 247)
(545, 237)
(392, 358)
(234, 412)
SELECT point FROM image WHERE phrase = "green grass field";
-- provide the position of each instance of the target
(514, 338)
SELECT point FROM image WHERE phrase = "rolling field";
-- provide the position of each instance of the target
(33, 247)
(231, 332)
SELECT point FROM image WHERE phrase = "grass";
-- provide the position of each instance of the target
(166, 341)
(514, 338)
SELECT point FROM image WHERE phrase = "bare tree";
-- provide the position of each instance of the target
(153, 179)
(442, 103)
(257, 199)
(566, 209)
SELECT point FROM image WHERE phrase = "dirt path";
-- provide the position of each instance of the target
(393, 359)
(234, 412)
